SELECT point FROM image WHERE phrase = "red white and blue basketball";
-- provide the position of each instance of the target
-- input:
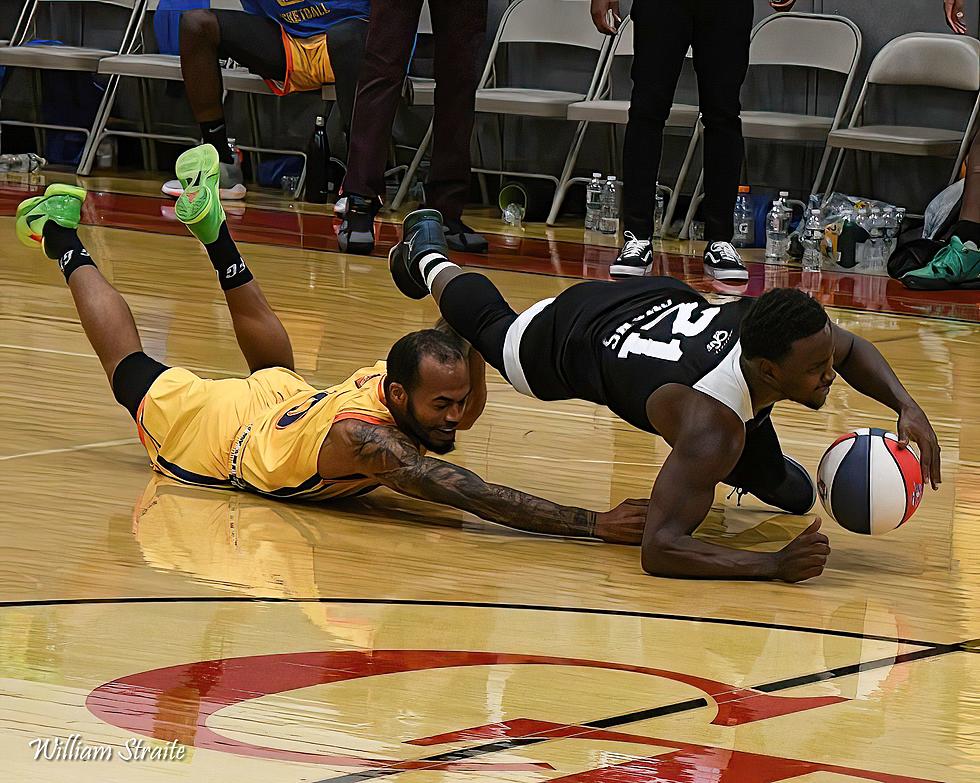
(868, 483)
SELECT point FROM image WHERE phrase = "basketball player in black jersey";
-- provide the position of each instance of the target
(703, 376)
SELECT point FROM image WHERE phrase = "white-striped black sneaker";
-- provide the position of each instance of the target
(722, 262)
(635, 258)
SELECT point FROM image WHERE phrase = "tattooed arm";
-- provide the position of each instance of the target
(387, 454)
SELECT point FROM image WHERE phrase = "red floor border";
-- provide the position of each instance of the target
(288, 228)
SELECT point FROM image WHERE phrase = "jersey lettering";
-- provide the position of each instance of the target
(683, 325)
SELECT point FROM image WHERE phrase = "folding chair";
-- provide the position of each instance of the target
(820, 42)
(936, 60)
(602, 107)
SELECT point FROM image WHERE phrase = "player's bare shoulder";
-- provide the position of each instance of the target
(356, 446)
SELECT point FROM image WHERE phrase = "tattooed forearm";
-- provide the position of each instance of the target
(398, 465)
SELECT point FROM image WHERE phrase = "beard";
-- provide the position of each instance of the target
(409, 423)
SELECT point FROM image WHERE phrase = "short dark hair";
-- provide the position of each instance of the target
(776, 320)
(406, 355)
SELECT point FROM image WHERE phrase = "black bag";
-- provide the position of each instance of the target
(913, 255)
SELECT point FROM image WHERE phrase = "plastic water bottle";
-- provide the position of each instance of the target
(609, 219)
(812, 240)
(874, 258)
(777, 229)
(744, 219)
(658, 212)
(25, 161)
(593, 202)
(893, 227)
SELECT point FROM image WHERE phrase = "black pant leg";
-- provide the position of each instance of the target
(662, 31)
(473, 306)
(721, 59)
(761, 465)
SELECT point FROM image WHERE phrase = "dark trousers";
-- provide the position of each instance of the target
(718, 31)
(458, 28)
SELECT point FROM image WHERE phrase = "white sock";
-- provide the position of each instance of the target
(431, 264)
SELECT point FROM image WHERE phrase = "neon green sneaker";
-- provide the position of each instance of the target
(199, 207)
(60, 203)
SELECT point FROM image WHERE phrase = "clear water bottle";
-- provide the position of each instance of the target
(862, 219)
(658, 212)
(893, 227)
(777, 229)
(26, 161)
(812, 241)
(609, 219)
(744, 219)
(593, 202)
(874, 257)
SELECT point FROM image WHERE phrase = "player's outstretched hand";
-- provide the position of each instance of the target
(623, 524)
(805, 556)
(914, 425)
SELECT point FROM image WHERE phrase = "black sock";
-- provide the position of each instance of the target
(227, 261)
(63, 245)
(216, 132)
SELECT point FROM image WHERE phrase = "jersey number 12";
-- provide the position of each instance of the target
(683, 325)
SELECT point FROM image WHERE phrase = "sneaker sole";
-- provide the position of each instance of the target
(727, 274)
(201, 161)
(628, 270)
(236, 193)
(21, 226)
(193, 205)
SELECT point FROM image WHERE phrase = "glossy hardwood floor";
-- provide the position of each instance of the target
(385, 637)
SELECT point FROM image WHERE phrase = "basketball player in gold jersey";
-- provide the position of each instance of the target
(272, 432)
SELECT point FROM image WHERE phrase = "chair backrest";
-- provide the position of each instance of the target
(566, 22)
(117, 35)
(928, 60)
(823, 41)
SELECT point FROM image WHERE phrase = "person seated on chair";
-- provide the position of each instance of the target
(294, 46)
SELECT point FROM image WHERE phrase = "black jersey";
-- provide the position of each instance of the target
(616, 343)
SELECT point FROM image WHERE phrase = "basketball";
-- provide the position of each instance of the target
(868, 483)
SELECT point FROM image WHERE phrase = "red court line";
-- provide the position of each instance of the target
(288, 228)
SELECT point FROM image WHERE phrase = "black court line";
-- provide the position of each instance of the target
(465, 754)
(467, 605)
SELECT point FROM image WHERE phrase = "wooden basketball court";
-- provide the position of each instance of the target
(387, 638)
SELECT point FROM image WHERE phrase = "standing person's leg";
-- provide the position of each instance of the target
(661, 35)
(459, 28)
(387, 50)
(721, 59)
(261, 336)
(345, 47)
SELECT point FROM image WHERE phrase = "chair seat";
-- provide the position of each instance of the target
(423, 91)
(526, 101)
(54, 58)
(785, 126)
(617, 112)
(899, 140)
(148, 66)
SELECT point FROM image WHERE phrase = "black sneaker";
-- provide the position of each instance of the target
(422, 232)
(795, 495)
(356, 234)
(635, 258)
(722, 262)
(461, 237)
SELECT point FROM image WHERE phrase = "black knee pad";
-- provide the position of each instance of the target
(132, 379)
